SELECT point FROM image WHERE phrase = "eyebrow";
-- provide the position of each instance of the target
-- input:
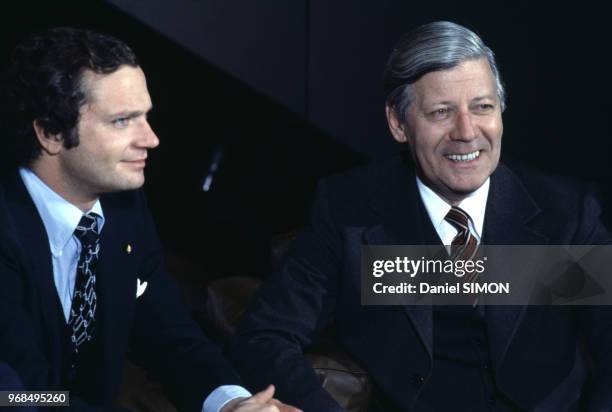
(130, 114)
(451, 103)
(485, 97)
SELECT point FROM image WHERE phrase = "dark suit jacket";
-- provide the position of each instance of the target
(155, 329)
(533, 350)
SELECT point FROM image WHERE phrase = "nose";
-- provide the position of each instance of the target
(148, 139)
(463, 128)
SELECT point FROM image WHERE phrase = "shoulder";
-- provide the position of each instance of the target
(550, 191)
(569, 210)
(16, 206)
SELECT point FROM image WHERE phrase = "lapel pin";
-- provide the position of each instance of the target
(128, 248)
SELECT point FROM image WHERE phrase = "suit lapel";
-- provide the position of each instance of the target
(115, 286)
(403, 221)
(509, 211)
(35, 245)
(116, 272)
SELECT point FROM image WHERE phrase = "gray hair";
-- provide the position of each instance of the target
(435, 46)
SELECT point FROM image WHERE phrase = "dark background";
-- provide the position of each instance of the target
(290, 91)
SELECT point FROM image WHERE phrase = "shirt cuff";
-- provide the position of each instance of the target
(222, 395)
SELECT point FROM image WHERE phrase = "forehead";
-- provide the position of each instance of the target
(470, 80)
(125, 89)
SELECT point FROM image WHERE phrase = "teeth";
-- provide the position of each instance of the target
(463, 157)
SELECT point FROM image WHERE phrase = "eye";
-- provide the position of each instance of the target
(121, 122)
(484, 108)
(440, 113)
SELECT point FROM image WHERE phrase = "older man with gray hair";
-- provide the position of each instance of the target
(445, 99)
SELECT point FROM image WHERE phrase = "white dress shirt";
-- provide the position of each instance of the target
(60, 219)
(437, 209)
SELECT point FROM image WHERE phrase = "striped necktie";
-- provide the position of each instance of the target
(464, 244)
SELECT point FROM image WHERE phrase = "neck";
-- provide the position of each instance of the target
(449, 197)
(452, 201)
(49, 173)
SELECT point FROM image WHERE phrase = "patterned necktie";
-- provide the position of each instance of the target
(464, 244)
(83, 310)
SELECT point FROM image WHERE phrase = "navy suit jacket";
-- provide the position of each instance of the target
(9, 381)
(534, 351)
(155, 330)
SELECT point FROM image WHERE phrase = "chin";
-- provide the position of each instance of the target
(466, 187)
(125, 184)
(134, 181)
(134, 185)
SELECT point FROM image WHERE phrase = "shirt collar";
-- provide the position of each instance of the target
(59, 216)
(474, 205)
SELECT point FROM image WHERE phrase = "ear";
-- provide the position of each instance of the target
(51, 144)
(395, 126)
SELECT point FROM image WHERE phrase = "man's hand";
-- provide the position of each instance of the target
(260, 402)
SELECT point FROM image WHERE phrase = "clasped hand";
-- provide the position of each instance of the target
(260, 402)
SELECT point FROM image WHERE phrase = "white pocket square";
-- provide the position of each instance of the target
(140, 288)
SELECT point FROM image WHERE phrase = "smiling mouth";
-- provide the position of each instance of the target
(463, 157)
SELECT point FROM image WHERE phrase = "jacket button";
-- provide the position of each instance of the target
(418, 380)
